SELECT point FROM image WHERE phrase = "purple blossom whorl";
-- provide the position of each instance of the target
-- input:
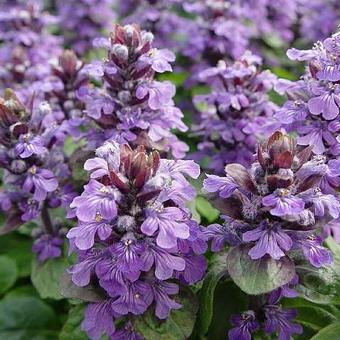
(313, 108)
(132, 107)
(27, 46)
(135, 238)
(275, 206)
(272, 211)
(234, 114)
(35, 172)
(313, 111)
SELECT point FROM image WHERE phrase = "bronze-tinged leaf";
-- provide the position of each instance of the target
(230, 206)
(13, 222)
(278, 181)
(241, 176)
(138, 164)
(283, 160)
(68, 62)
(304, 155)
(260, 157)
(310, 182)
(155, 161)
(69, 290)
(277, 135)
(116, 181)
(144, 197)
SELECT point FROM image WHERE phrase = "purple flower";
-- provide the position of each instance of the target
(271, 240)
(244, 325)
(29, 145)
(278, 320)
(126, 333)
(165, 263)
(224, 185)
(283, 203)
(82, 271)
(164, 304)
(83, 236)
(97, 200)
(159, 60)
(195, 267)
(327, 103)
(159, 94)
(316, 254)
(41, 182)
(98, 320)
(136, 299)
(48, 247)
(168, 222)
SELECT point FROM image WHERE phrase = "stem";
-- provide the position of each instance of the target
(255, 302)
(45, 216)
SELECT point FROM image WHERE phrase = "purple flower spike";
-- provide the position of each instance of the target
(314, 113)
(135, 238)
(132, 107)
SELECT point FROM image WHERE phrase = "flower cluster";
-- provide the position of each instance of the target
(62, 89)
(134, 235)
(131, 106)
(271, 317)
(27, 46)
(84, 20)
(273, 210)
(314, 102)
(318, 18)
(211, 30)
(28, 150)
(313, 108)
(160, 17)
(235, 112)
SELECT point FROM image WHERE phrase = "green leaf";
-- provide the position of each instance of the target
(179, 324)
(274, 41)
(321, 285)
(258, 276)
(69, 290)
(8, 273)
(46, 277)
(228, 300)
(206, 209)
(217, 270)
(27, 317)
(18, 248)
(177, 78)
(332, 331)
(71, 328)
(310, 315)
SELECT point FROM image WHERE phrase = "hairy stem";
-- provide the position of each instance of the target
(45, 216)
